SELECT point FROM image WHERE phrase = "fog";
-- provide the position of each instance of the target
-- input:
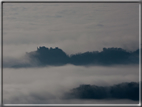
(48, 85)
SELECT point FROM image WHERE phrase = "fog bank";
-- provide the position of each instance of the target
(48, 84)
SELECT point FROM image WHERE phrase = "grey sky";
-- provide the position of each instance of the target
(74, 27)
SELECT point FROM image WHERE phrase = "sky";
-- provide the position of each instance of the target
(74, 28)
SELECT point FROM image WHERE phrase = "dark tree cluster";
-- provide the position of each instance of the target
(45, 56)
(119, 91)
(56, 56)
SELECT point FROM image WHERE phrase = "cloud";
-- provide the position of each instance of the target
(44, 56)
(126, 93)
(49, 84)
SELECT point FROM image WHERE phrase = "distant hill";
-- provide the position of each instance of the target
(44, 56)
(109, 56)
(49, 56)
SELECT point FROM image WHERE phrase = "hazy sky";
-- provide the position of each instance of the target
(73, 27)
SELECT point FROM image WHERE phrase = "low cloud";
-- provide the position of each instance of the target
(126, 93)
(49, 84)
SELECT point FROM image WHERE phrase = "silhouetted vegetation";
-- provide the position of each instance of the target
(44, 56)
(49, 56)
(119, 91)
